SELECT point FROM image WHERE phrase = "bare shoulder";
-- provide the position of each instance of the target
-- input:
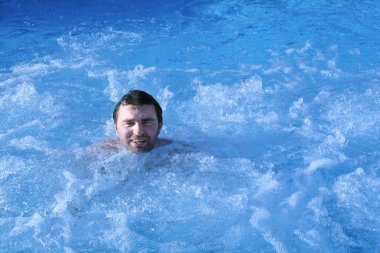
(111, 145)
(173, 146)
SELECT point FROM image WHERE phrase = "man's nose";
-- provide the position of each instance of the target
(137, 129)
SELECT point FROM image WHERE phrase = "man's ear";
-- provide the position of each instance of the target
(159, 127)
(115, 127)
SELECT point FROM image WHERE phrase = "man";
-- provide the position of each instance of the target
(137, 121)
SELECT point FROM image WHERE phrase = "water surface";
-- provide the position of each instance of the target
(273, 106)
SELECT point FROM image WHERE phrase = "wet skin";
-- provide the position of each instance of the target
(137, 127)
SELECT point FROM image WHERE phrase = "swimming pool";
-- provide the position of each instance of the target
(273, 106)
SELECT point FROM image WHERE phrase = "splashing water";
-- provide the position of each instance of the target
(273, 108)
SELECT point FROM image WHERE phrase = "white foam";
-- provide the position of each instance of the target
(38, 68)
(164, 97)
(114, 89)
(336, 139)
(322, 96)
(14, 80)
(318, 164)
(259, 214)
(112, 170)
(356, 190)
(311, 237)
(316, 206)
(298, 107)
(132, 36)
(238, 201)
(278, 246)
(196, 81)
(264, 184)
(302, 50)
(139, 73)
(188, 70)
(334, 73)
(68, 250)
(266, 118)
(318, 63)
(307, 47)
(307, 69)
(224, 108)
(321, 218)
(10, 165)
(293, 200)
(233, 236)
(354, 51)
(353, 114)
(252, 86)
(80, 63)
(25, 223)
(63, 198)
(119, 234)
(30, 68)
(29, 142)
(77, 42)
(29, 124)
(23, 94)
(109, 129)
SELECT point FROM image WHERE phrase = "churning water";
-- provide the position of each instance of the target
(273, 106)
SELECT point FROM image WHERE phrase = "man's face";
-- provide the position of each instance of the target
(137, 127)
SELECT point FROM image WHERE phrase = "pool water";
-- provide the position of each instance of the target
(273, 108)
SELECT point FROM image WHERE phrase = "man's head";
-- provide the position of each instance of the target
(137, 120)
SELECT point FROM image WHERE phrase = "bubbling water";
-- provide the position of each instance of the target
(275, 144)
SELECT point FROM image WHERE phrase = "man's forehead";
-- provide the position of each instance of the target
(137, 109)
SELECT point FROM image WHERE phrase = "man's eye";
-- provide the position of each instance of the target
(148, 122)
(128, 123)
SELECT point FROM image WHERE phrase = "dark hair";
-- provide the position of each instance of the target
(138, 98)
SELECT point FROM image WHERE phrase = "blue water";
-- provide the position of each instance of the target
(273, 107)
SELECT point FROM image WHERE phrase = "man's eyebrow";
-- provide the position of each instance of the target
(147, 118)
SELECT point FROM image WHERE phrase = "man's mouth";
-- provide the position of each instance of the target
(139, 141)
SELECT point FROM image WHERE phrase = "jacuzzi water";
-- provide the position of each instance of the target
(273, 107)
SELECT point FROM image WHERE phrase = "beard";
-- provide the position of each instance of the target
(141, 143)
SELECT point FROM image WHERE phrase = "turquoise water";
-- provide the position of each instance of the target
(273, 106)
